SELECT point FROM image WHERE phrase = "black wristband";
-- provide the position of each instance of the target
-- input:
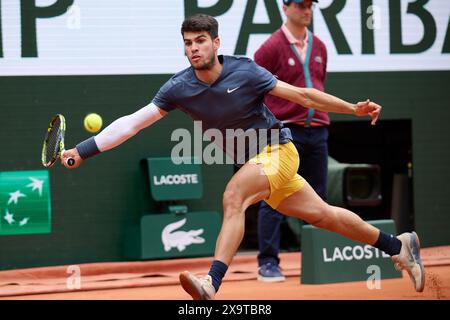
(88, 148)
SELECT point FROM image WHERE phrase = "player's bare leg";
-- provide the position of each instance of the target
(249, 185)
(307, 205)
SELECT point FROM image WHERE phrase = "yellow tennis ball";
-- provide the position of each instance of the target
(93, 122)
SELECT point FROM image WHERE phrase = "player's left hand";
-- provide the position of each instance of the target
(368, 108)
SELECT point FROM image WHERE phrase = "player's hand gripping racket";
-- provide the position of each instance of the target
(53, 146)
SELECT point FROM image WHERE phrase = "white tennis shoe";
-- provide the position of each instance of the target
(409, 259)
(200, 288)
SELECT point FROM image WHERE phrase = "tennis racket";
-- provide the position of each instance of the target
(53, 146)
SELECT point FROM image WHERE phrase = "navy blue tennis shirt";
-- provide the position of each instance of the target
(234, 101)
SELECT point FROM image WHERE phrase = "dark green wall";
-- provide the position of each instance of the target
(93, 206)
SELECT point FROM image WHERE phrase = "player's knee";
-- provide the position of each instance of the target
(232, 201)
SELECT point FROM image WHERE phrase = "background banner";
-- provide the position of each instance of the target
(82, 37)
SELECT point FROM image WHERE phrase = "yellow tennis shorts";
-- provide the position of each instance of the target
(280, 164)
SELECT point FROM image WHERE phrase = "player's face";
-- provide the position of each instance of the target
(200, 49)
(300, 14)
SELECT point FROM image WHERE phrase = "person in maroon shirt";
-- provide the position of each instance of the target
(295, 55)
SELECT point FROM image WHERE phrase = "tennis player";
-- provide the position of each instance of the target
(227, 92)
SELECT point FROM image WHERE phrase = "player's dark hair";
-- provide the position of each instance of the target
(201, 22)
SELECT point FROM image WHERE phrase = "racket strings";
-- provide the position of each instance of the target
(53, 141)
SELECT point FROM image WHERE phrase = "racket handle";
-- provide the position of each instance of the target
(70, 161)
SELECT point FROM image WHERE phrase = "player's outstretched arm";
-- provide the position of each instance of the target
(113, 135)
(313, 98)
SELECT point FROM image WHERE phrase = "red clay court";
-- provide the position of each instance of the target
(158, 280)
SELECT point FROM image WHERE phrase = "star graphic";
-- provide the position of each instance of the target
(24, 221)
(9, 217)
(36, 184)
(15, 196)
